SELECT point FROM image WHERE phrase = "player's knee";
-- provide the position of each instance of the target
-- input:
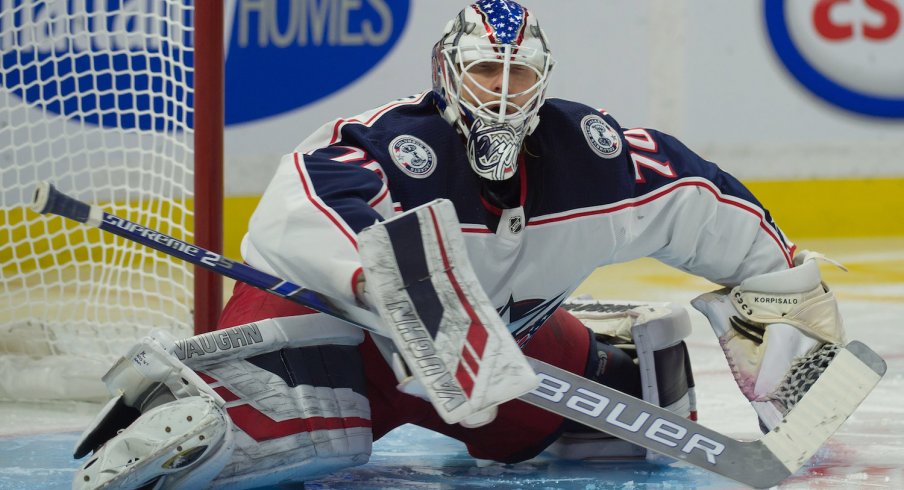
(640, 351)
(298, 413)
(614, 367)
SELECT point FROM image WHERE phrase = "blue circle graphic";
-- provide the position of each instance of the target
(284, 58)
(816, 82)
(282, 55)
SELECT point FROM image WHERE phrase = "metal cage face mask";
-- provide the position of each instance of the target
(491, 70)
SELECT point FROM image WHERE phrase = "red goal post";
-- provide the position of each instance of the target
(209, 103)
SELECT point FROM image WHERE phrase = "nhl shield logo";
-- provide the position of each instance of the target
(603, 140)
(516, 224)
(413, 156)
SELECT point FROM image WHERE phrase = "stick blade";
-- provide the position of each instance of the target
(847, 381)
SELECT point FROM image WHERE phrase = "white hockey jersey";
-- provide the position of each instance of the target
(588, 194)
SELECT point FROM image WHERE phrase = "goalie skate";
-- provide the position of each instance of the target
(159, 446)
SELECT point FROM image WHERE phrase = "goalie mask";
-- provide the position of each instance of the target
(490, 71)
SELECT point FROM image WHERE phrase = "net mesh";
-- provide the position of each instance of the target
(97, 98)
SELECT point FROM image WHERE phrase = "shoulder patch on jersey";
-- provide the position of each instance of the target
(603, 140)
(413, 156)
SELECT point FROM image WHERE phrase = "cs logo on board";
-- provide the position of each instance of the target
(848, 52)
(281, 55)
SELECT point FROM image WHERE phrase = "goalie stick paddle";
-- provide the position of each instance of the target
(843, 385)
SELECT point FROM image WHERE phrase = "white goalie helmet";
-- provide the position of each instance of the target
(490, 72)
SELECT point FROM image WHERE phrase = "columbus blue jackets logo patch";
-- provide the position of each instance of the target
(413, 156)
(603, 140)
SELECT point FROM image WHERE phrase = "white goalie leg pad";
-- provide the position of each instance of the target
(181, 444)
(151, 383)
(449, 337)
(272, 334)
(653, 333)
(659, 332)
(298, 412)
(153, 371)
(771, 328)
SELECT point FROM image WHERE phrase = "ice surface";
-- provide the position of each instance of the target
(36, 441)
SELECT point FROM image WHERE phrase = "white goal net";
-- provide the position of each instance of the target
(96, 97)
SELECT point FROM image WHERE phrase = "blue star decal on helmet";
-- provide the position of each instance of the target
(505, 19)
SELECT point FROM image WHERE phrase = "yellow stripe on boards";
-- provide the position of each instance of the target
(834, 208)
(29, 241)
(803, 209)
(236, 213)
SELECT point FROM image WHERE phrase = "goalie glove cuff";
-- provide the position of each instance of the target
(796, 297)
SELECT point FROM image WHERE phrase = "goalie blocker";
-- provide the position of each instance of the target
(452, 348)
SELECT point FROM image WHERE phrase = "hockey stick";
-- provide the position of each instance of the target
(850, 376)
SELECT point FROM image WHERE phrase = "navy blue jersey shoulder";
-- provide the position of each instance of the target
(449, 176)
(564, 167)
(684, 163)
(563, 171)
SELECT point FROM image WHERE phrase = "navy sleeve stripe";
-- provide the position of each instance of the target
(337, 127)
(315, 200)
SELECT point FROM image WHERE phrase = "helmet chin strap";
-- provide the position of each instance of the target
(493, 149)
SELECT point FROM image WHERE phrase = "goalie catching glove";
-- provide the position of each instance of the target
(778, 331)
